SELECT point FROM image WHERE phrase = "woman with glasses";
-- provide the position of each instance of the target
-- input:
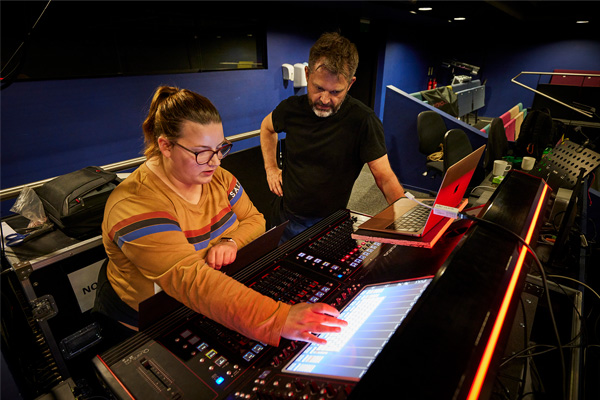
(176, 220)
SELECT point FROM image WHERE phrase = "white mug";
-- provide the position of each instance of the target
(527, 163)
(501, 167)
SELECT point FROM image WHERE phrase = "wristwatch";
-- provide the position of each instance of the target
(227, 239)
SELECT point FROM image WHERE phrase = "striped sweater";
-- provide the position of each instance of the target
(151, 235)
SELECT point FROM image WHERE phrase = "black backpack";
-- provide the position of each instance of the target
(75, 201)
(538, 132)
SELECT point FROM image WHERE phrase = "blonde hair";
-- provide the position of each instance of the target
(171, 107)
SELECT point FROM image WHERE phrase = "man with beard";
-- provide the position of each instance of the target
(329, 137)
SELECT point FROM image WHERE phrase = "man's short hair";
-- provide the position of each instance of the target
(339, 55)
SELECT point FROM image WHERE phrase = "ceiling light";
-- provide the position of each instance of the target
(425, 8)
(459, 18)
(582, 22)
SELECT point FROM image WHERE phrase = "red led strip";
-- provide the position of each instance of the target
(493, 340)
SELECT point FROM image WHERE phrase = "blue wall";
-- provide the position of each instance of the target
(500, 57)
(400, 124)
(542, 57)
(54, 127)
(405, 67)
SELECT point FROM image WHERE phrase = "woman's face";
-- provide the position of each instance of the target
(195, 137)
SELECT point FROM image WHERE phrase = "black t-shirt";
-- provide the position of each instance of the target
(324, 156)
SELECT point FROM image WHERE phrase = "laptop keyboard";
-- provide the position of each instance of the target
(411, 221)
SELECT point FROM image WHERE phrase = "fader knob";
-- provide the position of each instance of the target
(299, 385)
(348, 390)
(330, 390)
(314, 388)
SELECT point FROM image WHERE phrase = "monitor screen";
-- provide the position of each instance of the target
(373, 316)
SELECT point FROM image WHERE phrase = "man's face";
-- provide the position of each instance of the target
(326, 91)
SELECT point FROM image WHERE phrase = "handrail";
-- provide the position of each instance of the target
(13, 192)
(586, 113)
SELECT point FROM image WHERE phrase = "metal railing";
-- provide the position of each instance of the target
(588, 114)
(13, 192)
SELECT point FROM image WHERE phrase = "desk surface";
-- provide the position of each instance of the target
(45, 249)
(481, 194)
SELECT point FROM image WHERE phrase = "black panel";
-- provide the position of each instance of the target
(113, 38)
(574, 96)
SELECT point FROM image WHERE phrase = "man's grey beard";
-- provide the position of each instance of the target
(328, 113)
(323, 114)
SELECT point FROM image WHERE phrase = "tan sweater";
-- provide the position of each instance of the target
(152, 235)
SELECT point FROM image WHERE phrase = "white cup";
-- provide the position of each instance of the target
(501, 167)
(527, 163)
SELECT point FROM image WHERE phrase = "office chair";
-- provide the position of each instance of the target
(497, 145)
(431, 129)
(456, 147)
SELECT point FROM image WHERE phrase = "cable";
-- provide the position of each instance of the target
(483, 187)
(448, 210)
(525, 339)
(589, 187)
(437, 156)
(28, 35)
(549, 347)
(575, 280)
(451, 212)
(2, 244)
(474, 208)
(412, 197)
(5, 85)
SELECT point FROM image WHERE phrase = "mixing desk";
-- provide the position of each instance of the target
(397, 300)
(190, 356)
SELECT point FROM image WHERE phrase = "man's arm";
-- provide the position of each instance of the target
(268, 145)
(386, 179)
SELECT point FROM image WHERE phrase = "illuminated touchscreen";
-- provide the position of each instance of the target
(373, 316)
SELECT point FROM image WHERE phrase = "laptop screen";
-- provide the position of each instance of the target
(373, 316)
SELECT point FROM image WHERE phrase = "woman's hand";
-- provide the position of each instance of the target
(220, 254)
(307, 319)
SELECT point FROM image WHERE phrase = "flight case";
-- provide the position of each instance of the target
(48, 290)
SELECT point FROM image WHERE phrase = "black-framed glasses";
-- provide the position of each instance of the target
(204, 156)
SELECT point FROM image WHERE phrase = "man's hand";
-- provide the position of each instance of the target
(275, 181)
(222, 253)
(307, 319)
(268, 146)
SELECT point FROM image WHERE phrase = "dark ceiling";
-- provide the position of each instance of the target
(561, 14)
(545, 15)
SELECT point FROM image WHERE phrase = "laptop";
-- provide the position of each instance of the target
(407, 217)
